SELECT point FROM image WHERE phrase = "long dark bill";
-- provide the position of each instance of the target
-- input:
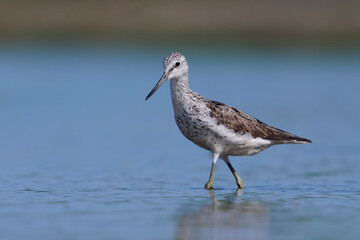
(160, 82)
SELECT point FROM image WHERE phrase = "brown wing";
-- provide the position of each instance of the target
(241, 122)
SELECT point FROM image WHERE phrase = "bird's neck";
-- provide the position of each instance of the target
(180, 92)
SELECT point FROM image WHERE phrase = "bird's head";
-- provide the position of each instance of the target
(175, 66)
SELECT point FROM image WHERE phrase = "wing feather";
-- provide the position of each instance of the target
(243, 123)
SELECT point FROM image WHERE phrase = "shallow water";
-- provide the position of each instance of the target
(83, 156)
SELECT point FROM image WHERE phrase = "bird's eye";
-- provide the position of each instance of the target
(177, 64)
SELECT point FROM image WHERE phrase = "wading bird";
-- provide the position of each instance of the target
(219, 128)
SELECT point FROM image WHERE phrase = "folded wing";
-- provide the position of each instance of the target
(243, 123)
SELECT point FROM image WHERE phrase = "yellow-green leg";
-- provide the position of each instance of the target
(237, 177)
(209, 184)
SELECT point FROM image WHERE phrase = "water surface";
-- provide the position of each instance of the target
(83, 156)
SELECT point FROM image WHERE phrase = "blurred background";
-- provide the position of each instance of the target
(301, 22)
(83, 156)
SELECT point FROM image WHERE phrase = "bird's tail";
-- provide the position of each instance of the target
(296, 140)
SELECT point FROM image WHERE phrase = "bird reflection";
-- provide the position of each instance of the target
(228, 218)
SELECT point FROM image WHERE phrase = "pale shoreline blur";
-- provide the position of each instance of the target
(260, 22)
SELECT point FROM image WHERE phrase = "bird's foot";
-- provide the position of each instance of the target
(208, 186)
(239, 183)
(240, 186)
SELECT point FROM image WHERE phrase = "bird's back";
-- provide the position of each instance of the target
(242, 123)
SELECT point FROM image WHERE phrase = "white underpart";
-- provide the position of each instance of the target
(235, 144)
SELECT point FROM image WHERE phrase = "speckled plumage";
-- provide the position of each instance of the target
(219, 128)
